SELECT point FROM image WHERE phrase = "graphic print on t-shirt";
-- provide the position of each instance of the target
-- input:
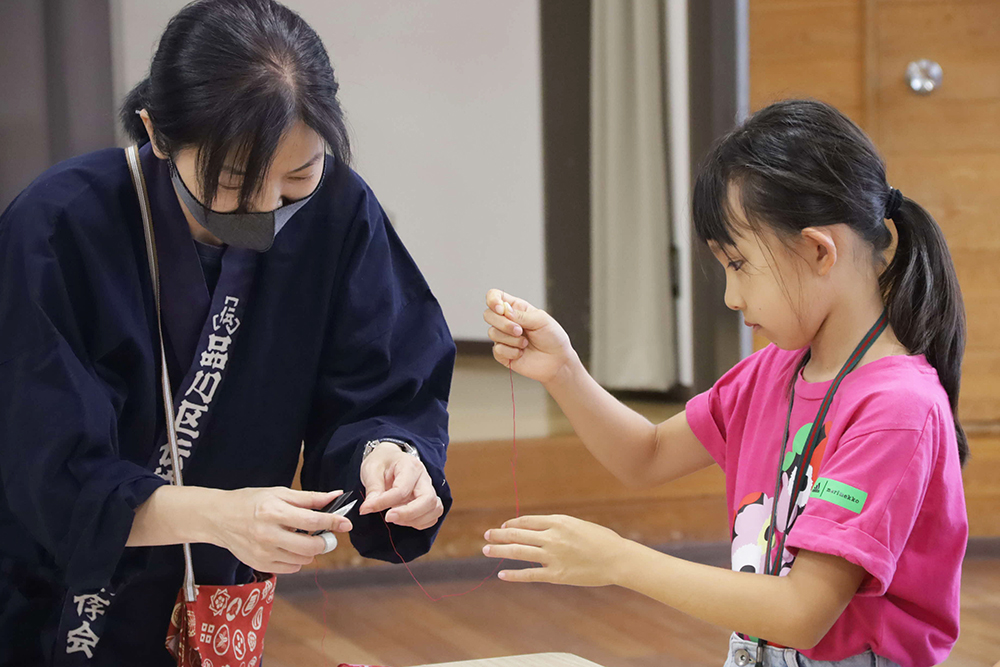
(752, 519)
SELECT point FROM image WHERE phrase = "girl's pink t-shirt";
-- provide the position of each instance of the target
(884, 492)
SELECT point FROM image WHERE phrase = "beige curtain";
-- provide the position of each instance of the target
(55, 86)
(633, 306)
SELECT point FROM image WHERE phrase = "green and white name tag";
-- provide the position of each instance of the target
(839, 493)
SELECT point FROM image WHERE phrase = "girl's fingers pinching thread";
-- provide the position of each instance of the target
(516, 305)
(495, 300)
(505, 353)
(502, 323)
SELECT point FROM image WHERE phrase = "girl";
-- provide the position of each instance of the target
(840, 441)
(285, 294)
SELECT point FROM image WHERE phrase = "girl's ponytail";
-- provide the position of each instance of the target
(923, 298)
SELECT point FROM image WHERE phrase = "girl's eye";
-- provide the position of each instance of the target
(736, 264)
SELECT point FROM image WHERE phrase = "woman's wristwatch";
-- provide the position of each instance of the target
(402, 444)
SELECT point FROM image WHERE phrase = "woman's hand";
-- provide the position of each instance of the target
(399, 482)
(525, 338)
(258, 526)
(570, 551)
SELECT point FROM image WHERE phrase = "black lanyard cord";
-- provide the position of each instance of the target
(773, 566)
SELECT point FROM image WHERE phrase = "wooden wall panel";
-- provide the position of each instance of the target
(808, 49)
(943, 150)
(982, 486)
(959, 189)
(558, 476)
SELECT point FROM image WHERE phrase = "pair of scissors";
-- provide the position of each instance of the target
(339, 506)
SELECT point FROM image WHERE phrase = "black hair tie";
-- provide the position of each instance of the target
(895, 201)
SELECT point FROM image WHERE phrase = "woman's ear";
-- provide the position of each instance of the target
(148, 122)
(820, 249)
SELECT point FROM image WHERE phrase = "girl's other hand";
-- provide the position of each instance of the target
(525, 338)
(570, 551)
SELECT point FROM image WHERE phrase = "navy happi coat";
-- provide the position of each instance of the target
(340, 341)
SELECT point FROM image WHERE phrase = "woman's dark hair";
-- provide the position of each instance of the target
(229, 77)
(802, 163)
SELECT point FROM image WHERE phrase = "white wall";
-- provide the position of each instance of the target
(443, 98)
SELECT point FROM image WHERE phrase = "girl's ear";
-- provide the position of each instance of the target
(820, 249)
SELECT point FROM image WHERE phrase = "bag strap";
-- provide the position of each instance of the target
(139, 181)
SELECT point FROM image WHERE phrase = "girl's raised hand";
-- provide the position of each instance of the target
(570, 551)
(527, 339)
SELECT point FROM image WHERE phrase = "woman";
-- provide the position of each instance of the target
(291, 313)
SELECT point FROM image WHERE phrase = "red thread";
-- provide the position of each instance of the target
(322, 643)
(517, 512)
(513, 442)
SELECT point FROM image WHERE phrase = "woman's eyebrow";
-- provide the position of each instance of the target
(313, 160)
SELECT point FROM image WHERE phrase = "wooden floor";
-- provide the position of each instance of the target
(397, 625)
